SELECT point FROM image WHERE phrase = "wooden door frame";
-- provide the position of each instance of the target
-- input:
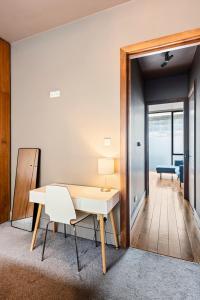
(178, 40)
(5, 133)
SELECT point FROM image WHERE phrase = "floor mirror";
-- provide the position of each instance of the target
(27, 178)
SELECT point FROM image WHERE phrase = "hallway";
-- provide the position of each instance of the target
(165, 223)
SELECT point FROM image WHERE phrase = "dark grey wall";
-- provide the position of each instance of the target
(195, 75)
(137, 128)
(166, 88)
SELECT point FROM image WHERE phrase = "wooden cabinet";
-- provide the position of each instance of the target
(4, 131)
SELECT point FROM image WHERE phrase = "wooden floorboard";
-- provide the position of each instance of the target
(163, 239)
(192, 228)
(174, 243)
(165, 223)
(143, 239)
(138, 223)
(154, 227)
(185, 246)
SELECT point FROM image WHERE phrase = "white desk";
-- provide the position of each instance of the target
(87, 199)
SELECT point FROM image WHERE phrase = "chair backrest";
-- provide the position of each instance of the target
(59, 205)
(178, 163)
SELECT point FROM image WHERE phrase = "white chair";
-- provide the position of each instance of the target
(60, 208)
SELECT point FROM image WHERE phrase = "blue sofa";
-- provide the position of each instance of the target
(177, 168)
(179, 164)
(181, 178)
(165, 169)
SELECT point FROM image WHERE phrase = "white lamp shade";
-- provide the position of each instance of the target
(106, 166)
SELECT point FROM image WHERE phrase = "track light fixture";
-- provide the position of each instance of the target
(168, 57)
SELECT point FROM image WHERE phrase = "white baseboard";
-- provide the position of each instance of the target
(136, 211)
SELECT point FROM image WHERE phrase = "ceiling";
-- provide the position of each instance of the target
(22, 18)
(181, 62)
(166, 107)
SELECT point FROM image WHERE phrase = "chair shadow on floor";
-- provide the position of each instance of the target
(89, 253)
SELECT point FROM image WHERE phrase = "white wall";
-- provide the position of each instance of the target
(82, 60)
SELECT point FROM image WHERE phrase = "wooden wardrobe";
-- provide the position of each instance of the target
(4, 131)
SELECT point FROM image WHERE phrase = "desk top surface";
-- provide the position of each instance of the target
(86, 192)
(85, 198)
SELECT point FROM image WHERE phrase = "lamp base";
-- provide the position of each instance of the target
(105, 189)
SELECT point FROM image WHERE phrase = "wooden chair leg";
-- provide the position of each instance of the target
(103, 249)
(36, 227)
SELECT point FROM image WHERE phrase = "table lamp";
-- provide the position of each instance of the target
(105, 167)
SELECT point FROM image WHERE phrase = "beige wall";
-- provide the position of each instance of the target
(82, 60)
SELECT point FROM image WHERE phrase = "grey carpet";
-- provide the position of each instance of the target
(132, 274)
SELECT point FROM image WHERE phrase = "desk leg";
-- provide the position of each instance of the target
(114, 229)
(103, 249)
(36, 227)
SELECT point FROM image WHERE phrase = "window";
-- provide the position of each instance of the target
(159, 140)
(166, 140)
(178, 132)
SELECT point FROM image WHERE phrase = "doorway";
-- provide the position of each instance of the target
(157, 45)
(162, 225)
(165, 129)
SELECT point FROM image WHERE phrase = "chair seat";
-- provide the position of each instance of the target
(80, 215)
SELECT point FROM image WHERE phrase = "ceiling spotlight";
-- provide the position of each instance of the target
(168, 57)
(163, 64)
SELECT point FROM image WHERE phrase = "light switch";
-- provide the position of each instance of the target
(54, 94)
